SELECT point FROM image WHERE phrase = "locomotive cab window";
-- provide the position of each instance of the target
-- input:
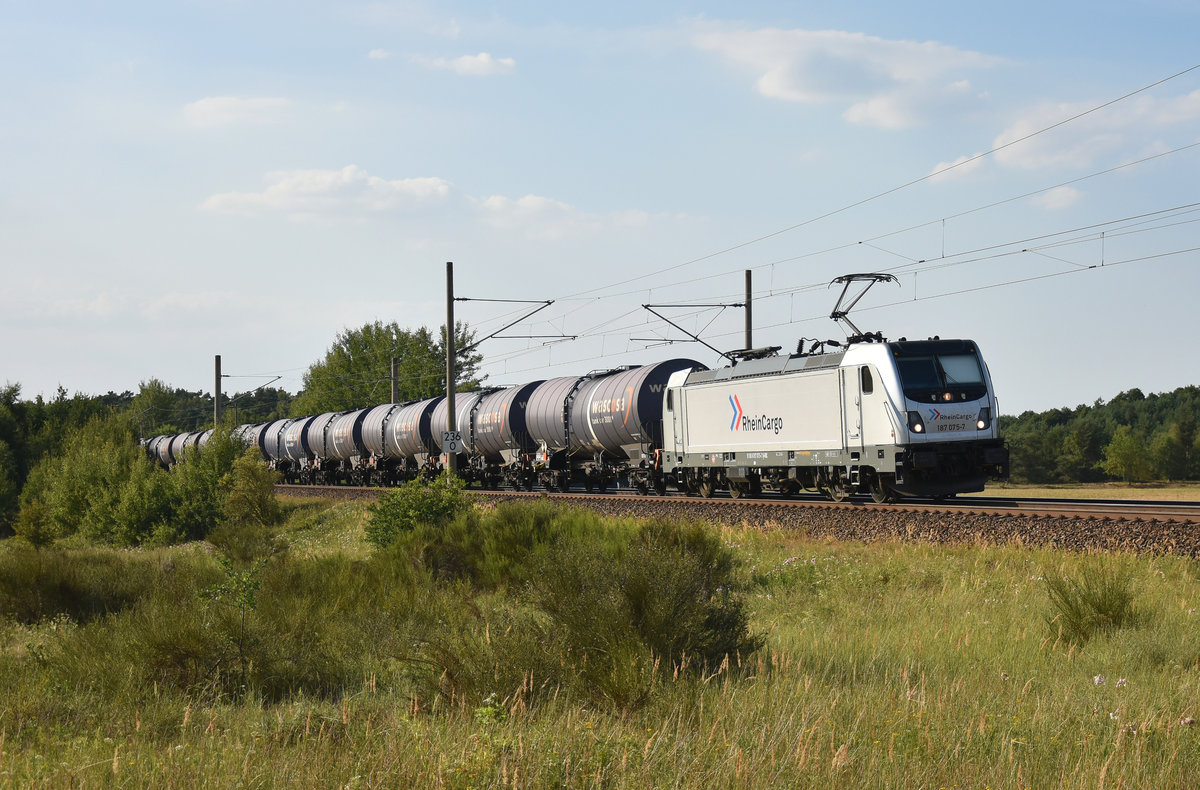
(868, 384)
(939, 371)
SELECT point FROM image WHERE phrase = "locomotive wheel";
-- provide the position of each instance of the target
(587, 484)
(706, 488)
(660, 486)
(736, 490)
(642, 488)
(880, 492)
(837, 491)
(529, 484)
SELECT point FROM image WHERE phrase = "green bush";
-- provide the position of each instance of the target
(667, 602)
(607, 611)
(1101, 600)
(200, 484)
(104, 489)
(249, 489)
(401, 510)
(498, 547)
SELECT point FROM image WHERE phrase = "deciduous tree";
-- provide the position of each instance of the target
(356, 370)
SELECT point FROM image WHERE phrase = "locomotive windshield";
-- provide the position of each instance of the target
(939, 371)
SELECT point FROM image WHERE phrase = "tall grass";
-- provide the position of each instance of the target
(885, 665)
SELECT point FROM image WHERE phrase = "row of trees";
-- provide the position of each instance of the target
(42, 441)
(1134, 438)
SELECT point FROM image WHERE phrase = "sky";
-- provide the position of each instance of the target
(185, 179)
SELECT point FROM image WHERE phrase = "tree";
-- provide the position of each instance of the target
(1126, 456)
(356, 370)
(158, 409)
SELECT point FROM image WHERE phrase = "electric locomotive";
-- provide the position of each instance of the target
(907, 418)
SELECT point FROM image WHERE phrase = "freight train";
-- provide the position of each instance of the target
(888, 419)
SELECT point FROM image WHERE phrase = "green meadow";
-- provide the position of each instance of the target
(528, 646)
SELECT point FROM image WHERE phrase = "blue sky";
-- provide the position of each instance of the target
(179, 180)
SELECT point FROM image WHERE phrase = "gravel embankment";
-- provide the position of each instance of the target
(867, 523)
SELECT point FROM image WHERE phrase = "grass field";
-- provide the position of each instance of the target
(1183, 492)
(885, 665)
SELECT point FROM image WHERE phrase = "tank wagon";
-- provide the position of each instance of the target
(905, 418)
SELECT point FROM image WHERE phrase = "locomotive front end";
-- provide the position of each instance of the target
(950, 415)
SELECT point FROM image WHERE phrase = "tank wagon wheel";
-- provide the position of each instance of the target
(564, 482)
(660, 486)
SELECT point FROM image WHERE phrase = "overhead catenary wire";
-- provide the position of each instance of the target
(605, 327)
(892, 190)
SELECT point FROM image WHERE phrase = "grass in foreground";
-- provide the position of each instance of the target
(885, 665)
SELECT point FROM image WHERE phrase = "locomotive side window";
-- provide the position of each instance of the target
(868, 384)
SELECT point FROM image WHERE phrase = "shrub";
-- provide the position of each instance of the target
(250, 491)
(402, 509)
(606, 613)
(498, 547)
(199, 487)
(104, 488)
(1101, 600)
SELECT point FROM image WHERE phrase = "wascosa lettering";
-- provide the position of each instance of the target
(612, 406)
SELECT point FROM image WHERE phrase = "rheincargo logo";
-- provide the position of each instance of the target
(745, 422)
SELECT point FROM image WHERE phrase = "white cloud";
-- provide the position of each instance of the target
(1082, 143)
(964, 165)
(352, 194)
(536, 217)
(885, 83)
(379, 54)
(1058, 198)
(481, 65)
(350, 191)
(218, 111)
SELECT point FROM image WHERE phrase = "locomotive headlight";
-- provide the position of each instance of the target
(914, 422)
(985, 418)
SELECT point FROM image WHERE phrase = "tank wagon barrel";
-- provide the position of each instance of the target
(409, 434)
